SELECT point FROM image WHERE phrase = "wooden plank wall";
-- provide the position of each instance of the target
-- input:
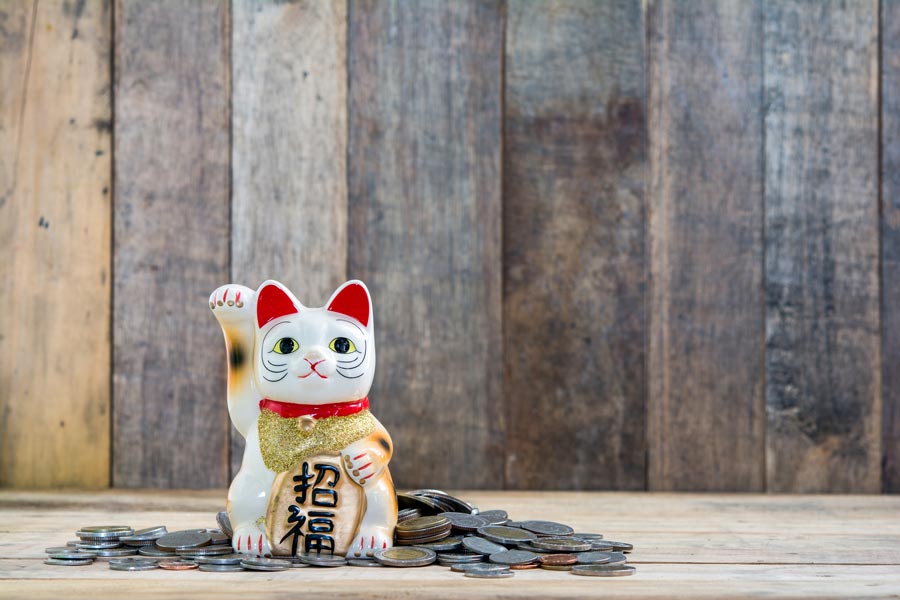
(612, 245)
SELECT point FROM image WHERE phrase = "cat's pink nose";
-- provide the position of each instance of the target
(314, 355)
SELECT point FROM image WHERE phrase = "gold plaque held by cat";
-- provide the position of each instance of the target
(314, 507)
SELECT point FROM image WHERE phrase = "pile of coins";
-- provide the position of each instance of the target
(433, 528)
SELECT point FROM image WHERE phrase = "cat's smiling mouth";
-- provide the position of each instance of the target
(312, 369)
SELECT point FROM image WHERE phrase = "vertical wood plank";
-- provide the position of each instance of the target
(575, 168)
(171, 242)
(706, 423)
(890, 242)
(424, 192)
(289, 99)
(55, 243)
(822, 292)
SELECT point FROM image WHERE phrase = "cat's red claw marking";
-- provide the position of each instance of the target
(359, 457)
(239, 544)
(260, 543)
(383, 544)
(373, 542)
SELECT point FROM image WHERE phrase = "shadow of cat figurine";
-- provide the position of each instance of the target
(314, 475)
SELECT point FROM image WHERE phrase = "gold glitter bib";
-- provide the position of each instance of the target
(285, 441)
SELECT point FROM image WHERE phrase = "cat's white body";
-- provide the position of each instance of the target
(290, 356)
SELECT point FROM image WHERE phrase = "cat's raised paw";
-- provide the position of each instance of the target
(232, 302)
(369, 540)
(252, 540)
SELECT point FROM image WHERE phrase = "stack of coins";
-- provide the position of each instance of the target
(433, 528)
(422, 530)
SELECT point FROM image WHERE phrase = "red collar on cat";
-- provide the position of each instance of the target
(317, 411)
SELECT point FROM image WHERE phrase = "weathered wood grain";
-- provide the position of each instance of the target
(890, 242)
(425, 207)
(55, 243)
(171, 243)
(821, 273)
(706, 423)
(289, 157)
(573, 245)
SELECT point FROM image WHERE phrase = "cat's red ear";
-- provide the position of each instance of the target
(352, 299)
(273, 301)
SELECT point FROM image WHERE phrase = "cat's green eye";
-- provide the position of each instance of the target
(286, 346)
(342, 345)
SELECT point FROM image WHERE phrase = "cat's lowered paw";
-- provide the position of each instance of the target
(251, 539)
(369, 540)
(362, 462)
(232, 303)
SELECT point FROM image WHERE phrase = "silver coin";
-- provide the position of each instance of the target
(134, 560)
(154, 551)
(104, 529)
(617, 558)
(72, 555)
(408, 513)
(513, 557)
(482, 568)
(464, 522)
(603, 570)
(363, 562)
(133, 567)
(266, 562)
(444, 545)
(593, 558)
(588, 536)
(90, 546)
(275, 565)
(405, 556)
(221, 568)
(494, 517)
(562, 544)
(455, 503)
(453, 558)
(479, 574)
(619, 546)
(100, 537)
(206, 550)
(322, 560)
(224, 522)
(115, 552)
(156, 529)
(528, 547)
(74, 543)
(224, 559)
(481, 546)
(463, 567)
(296, 564)
(600, 546)
(60, 562)
(183, 540)
(548, 528)
(57, 549)
(506, 535)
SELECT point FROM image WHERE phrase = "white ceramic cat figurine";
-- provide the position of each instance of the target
(314, 476)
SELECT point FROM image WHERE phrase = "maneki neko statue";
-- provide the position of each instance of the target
(314, 476)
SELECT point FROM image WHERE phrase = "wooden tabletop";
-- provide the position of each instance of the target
(697, 545)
